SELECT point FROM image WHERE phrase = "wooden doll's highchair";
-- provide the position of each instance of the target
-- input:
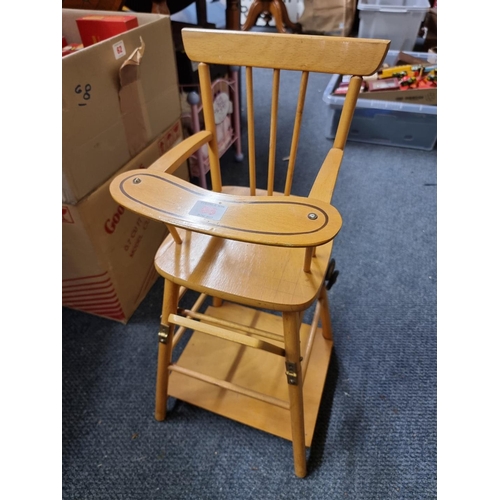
(263, 259)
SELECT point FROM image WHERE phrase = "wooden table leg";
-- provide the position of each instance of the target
(233, 12)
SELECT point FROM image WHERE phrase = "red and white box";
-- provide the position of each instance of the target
(94, 29)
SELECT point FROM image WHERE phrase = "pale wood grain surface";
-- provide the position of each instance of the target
(265, 220)
(258, 371)
(255, 275)
(175, 157)
(243, 246)
(325, 54)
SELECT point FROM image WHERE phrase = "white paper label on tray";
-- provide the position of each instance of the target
(208, 210)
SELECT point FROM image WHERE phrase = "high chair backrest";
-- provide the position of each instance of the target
(306, 53)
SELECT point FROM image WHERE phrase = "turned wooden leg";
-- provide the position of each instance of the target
(255, 10)
(285, 18)
(291, 326)
(233, 15)
(326, 325)
(276, 11)
(170, 300)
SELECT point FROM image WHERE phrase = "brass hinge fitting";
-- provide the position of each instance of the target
(163, 334)
(291, 373)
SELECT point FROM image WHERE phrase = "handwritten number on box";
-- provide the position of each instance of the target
(86, 93)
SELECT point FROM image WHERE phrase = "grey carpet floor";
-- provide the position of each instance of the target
(376, 432)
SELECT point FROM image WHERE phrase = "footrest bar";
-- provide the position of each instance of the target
(229, 386)
(225, 334)
(216, 321)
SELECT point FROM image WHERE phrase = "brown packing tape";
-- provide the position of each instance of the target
(133, 103)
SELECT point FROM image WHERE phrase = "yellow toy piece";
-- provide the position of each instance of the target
(405, 70)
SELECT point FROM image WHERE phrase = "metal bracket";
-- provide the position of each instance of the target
(331, 274)
(163, 334)
(291, 373)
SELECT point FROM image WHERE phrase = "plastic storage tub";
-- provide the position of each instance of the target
(395, 20)
(388, 123)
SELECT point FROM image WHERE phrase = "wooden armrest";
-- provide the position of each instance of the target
(280, 220)
(325, 181)
(170, 161)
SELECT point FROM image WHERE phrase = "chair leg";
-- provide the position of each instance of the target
(256, 9)
(326, 325)
(277, 10)
(170, 300)
(280, 15)
(291, 327)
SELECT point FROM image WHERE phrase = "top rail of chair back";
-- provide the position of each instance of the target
(315, 53)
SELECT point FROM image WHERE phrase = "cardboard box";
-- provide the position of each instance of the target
(108, 251)
(328, 17)
(118, 96)
(413, 96)
(95, 29)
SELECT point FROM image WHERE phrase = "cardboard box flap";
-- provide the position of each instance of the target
(133, 103)
(129, 70)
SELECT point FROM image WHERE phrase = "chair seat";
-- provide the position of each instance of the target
(255, 275)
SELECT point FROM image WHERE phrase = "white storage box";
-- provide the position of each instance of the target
(389, 123)
(395, 20)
